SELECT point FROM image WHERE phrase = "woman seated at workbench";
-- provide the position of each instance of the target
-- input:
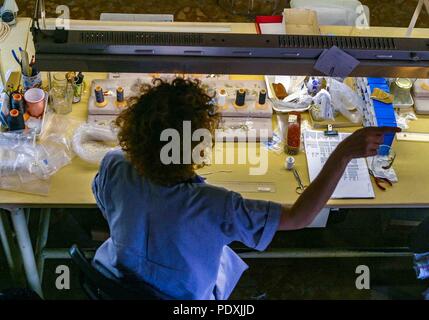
(169, 228)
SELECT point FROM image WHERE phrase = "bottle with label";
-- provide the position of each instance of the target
(293, 139)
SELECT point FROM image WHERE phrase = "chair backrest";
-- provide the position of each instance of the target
(100, 287)
(419, 238)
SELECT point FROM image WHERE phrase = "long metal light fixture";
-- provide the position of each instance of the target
(119, 51)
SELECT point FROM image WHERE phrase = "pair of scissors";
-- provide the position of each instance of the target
(380, 182)
(301, 187)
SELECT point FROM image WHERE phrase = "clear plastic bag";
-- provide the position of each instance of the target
(19, 141)
(26, 164)
(322, 108)
(19, 169)
(91, 142)
(402, 119)
(346, 101)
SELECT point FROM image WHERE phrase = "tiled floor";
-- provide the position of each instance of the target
(275, 278)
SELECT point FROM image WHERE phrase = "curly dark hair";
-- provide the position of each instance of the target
(161, 106)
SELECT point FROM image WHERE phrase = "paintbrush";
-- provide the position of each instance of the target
(26, 69)
(3, 79)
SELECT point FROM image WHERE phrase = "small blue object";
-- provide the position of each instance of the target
(16, 57)
(384, 150)
(376, 81)
(314, 85)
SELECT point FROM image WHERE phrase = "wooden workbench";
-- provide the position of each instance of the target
(71, 187)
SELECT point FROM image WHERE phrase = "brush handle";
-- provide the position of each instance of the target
(2, 76)
(26, 63)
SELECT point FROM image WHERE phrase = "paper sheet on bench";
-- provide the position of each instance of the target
(355, 183)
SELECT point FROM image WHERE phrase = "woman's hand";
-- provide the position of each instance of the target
(363, 143)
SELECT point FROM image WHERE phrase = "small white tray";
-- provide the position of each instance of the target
(251, 107)
(131, 88)
(278, 105)
(419, 91)
(421, 105)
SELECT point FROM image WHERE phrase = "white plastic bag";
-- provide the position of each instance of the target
(91, 142)
(322, 100)
(346, 101)
(26, 164)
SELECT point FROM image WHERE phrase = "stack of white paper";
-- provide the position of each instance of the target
(355, 182)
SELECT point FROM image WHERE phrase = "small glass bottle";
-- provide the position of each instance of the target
(293, 139)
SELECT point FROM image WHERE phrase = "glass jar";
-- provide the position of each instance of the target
(401, 90)
(61, 94)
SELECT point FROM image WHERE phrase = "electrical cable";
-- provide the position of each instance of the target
(4, 31)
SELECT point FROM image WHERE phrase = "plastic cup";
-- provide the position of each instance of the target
(35, 99)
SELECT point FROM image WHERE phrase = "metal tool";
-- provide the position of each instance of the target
(300, 189)
(391, 161)
(381, 182)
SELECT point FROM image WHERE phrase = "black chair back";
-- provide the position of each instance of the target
(97, 286)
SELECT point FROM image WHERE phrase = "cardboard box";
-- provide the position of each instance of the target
(301, 21)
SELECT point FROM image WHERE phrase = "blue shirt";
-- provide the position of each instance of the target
(176, 238)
